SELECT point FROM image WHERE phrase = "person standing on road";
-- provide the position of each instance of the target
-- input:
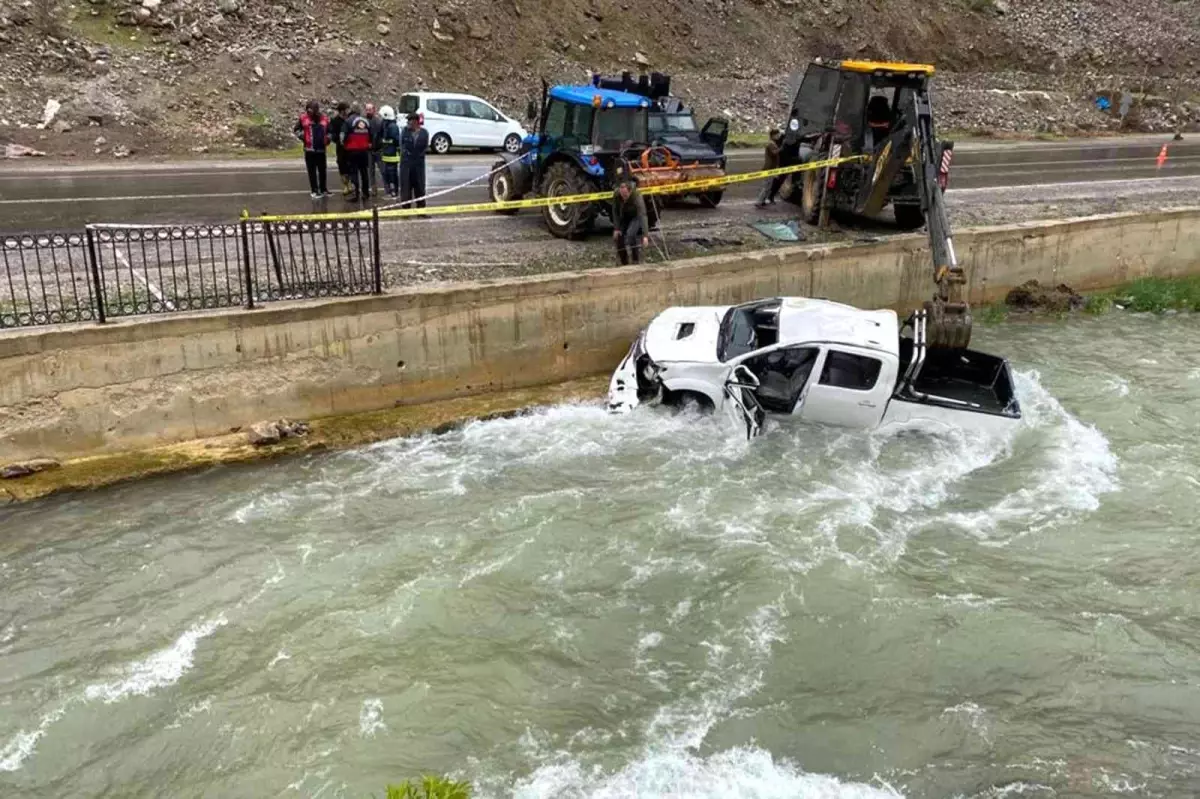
(414, 143)
(313, 130)
(336, 127)
(389, 152)
(771, 161)
(376, 128)
(356, 140)
(631, 230)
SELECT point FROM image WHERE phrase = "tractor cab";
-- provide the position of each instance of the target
(584, 135)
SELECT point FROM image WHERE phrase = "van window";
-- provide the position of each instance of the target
(845, 370)
(482, 111)
(451, 108)
(409, 104)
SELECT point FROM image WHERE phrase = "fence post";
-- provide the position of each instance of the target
(246, 265)
(97, 285)
(375, 250)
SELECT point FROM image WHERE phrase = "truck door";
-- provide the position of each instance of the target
(739, 388)
(851, 390)
(715, 133)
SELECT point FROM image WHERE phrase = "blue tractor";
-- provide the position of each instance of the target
(585, 133)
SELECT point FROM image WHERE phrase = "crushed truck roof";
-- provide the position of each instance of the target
(802, 319)
(586, 95)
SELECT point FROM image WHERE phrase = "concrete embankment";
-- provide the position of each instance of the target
(83, 391)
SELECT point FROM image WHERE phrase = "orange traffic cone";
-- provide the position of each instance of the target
(1162, 156)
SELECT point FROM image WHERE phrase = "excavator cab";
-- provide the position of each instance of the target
(882, 113)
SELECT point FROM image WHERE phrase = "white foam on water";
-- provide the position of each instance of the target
(973, 715)
(370, 718)
(281, 655)
(1076, 469)
(744, 772)
(649, 641)
(159, 670)
(22, 745)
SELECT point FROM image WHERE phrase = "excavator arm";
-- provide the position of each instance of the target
(948, 314)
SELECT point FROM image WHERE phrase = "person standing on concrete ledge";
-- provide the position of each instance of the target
(631, 230)
(414, 143)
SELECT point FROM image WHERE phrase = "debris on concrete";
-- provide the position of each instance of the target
(264, 434)
(780, 231)
(26, 468)
(1032, 295)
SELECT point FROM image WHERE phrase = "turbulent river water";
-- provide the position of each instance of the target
(568, 604)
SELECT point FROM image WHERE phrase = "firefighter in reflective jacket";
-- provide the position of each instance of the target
(356, 140)
(389, 152)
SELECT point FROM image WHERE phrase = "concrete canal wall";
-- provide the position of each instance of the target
(88, 389)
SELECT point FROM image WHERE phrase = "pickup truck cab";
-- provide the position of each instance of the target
(815, 361)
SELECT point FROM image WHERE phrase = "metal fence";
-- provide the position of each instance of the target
(112, 271)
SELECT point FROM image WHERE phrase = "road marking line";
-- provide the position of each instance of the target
(145, 197)
(145, 280)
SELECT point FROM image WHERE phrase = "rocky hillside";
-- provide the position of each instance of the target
(172, 76)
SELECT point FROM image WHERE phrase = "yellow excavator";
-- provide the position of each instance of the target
(882, 112)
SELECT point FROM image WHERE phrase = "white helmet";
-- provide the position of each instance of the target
(388, 113)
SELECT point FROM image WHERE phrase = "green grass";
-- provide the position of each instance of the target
(1156, 294)
(430, 788)
(994, 313)
(1149, 295)
(103, 29)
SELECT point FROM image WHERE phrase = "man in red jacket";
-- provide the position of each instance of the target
(313, 130)
(356, 141)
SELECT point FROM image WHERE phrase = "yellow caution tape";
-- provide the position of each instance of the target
(690, 186)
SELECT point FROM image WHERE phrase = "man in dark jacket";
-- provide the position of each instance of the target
(356, 141)
(414, 142)
(335, 134)
(771, 161)
(376, 131)
(312, 129)
(631, 230)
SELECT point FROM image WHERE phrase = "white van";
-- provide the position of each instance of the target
(462, 120)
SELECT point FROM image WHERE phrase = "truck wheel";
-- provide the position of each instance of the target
(567, 221)
(711, 199)
(810, 199)
(501, 188)
(909, 217)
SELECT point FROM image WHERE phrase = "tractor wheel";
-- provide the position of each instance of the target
(909, 217)
(501, 189)
(711, 199)
(810, 199)
(567, 221)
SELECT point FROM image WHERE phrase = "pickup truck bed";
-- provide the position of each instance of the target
(963, 380)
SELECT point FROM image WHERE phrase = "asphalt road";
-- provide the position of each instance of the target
(38, 197)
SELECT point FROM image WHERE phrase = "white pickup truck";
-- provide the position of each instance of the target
(812, 360)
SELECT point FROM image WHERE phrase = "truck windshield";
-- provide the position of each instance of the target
(617, 126)
(672, 123)
(747, 328)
